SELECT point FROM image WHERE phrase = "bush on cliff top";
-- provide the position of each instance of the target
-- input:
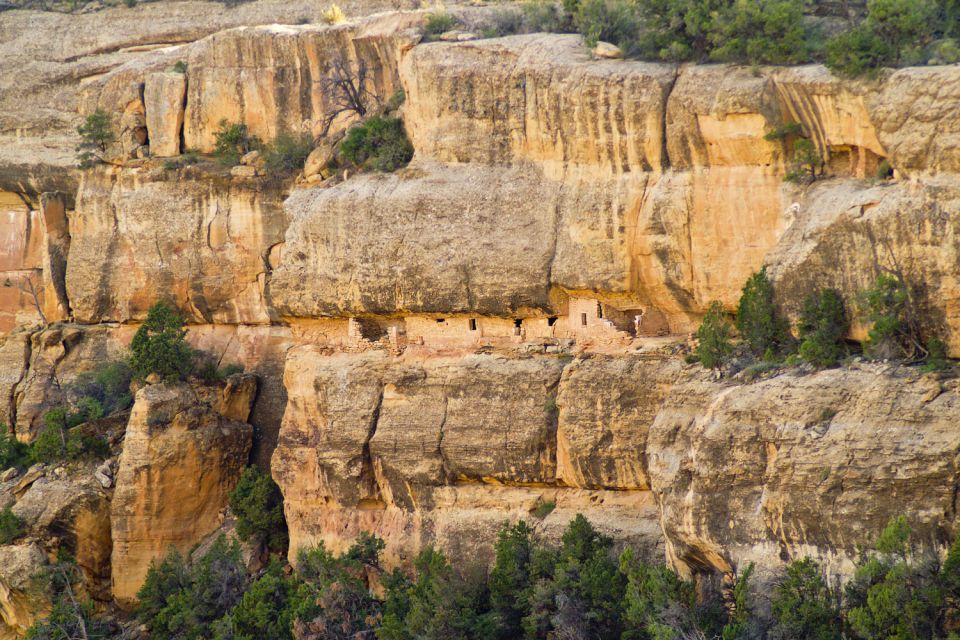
(892, 33)
(233, 140)
(160, 346)
(379, 143)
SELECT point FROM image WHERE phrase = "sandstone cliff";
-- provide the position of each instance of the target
(491, 330)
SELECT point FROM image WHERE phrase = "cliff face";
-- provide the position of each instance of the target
(497, 326)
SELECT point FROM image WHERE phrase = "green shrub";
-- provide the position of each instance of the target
(857, 52)
(806, 163)
(615, 21)
(504, 22)
(160, 346)
(714, 345)
(210, 372)
(71, 616)
(57, 440)
(11, 526)
(760, 32)
(108, 383)
(784, 131)
(658, 604)
(886, 307)
(183, 602)
(263, 612)
(439, 22)
(678, 30)
(509, 581)
(757, 320)
(580, 587)
(738, 625)
(884, 170)
(893, 593)
(332, 593)
(232, 141)
(287, 153)
(822, 326)
(13, 453)
(437, 605)
(543, 509)
(803, 606)
(258, 505)
(180, 67)
(936, 359)
(894, 32)
(544, 16)
(165, 581)
(96, 134)
(379, 143)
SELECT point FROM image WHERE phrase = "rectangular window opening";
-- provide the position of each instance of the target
(473, 324)
(552, 320)
(583, 319)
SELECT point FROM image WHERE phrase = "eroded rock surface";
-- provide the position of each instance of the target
(180, 459)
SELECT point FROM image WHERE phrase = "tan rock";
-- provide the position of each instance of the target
(20, 604)
(419, 220)
(253, 159)
(606, 407)
(77, 512)
(456, 36)
(244, 171)
(180, 460)
(318, 162)
(801, 465)
(442, 449)
(286, 95)
(163, 97)
(236, 399)
(607, 51)
(844, 233)
(57, 356)
(206, 240)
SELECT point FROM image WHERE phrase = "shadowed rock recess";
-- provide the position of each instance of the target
(494, 328)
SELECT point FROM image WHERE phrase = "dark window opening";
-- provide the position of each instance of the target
(439, 320)
(583, 319)
(516, 326)
(473, 324)
(599, 310)
(552, 320)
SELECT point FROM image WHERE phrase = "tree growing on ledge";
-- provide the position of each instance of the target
(160, 346)
(96, 134)
(714, 337)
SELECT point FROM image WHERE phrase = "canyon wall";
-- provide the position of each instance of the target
(496, 330)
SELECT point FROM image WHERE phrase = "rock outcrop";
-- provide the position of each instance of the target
(193, 239)
(163, 98)
(181, 457)
(803, 465)
(19, 604)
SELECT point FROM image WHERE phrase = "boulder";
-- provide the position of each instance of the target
(607, 51)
